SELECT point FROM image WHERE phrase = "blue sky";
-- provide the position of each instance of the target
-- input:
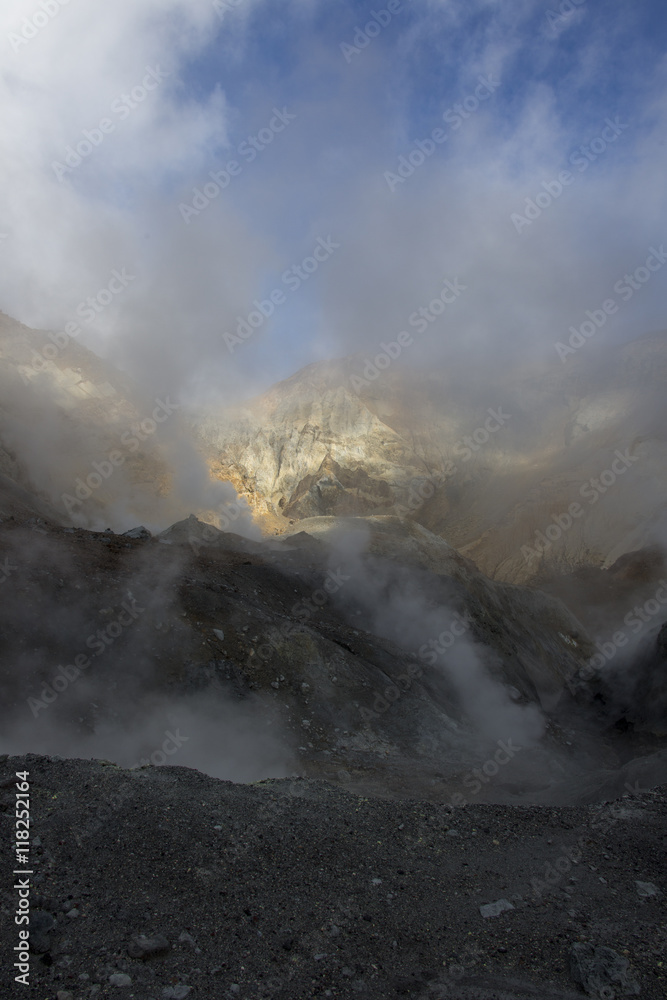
(328, 173)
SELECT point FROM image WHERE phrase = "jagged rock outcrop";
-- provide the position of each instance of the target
(548, 470)
(337, 492)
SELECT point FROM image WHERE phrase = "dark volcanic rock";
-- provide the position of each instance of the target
(601, 972)
(41, 925)
(142, 946)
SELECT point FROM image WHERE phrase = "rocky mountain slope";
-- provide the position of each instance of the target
(88, 444)
(493, 470)
(375, 656)
(550, 470)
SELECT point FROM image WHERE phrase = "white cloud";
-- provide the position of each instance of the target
(324, 175)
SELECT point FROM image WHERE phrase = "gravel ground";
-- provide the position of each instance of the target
(161, 882)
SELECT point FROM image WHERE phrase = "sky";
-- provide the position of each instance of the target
(243, 187)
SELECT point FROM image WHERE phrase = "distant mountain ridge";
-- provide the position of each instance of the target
(495, 473)
(553, 468)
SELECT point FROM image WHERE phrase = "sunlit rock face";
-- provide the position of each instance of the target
(311, 446)
(552, 468)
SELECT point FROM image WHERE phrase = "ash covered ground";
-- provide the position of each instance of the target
(177, 884)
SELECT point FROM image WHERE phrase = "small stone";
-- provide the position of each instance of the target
(41, 921)
(64, 995)
(601, 971)
(142, 946)
(646, 889)
(120, 979)
(139, 532)
(494, 909)
(176, 992)
(219, 634)
(72, 913)
(184, 937)
(41, 924)
(453, 833)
